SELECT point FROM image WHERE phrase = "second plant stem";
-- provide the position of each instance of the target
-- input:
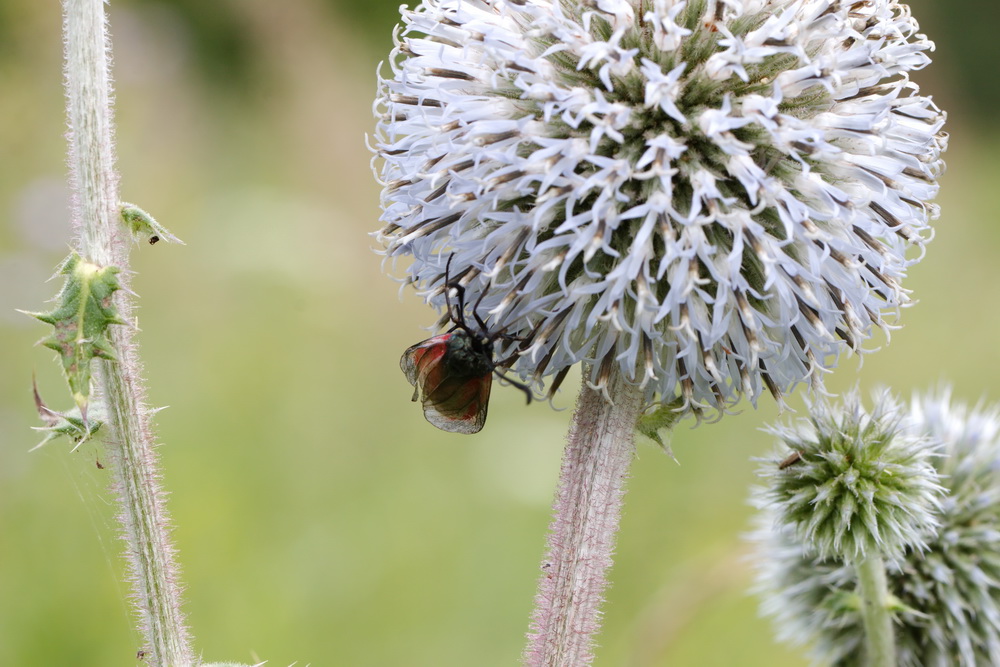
(875, 612)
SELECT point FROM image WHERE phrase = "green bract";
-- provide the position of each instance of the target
(661, 419)
(141, 223)
(70, 423)
(80, 322)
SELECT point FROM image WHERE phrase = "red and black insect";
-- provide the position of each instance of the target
(452, 373)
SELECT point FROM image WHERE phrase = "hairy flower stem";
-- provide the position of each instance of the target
(587, 510)
(129, 441)
(876, 616)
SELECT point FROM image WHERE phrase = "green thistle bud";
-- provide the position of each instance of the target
(946, 586)
(852, 483)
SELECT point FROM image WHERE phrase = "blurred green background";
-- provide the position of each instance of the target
(319, 519)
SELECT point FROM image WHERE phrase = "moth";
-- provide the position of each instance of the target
(452, 373)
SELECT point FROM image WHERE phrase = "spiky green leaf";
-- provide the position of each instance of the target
(70, 423)
(80, 322)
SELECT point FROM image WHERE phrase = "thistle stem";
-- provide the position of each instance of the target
(586, 515)
(129, 441)
(876, 616)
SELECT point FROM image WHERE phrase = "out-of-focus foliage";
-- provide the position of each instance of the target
(226, 54)
(319, 517)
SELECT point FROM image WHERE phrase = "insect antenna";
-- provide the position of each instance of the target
(457, 315)
(479, 320)
(505, 364)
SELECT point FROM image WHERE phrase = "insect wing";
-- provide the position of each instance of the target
(424, 359)
(451, 401)
(459, 405)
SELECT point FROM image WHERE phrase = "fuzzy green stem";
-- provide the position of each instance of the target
(880, 642)
(101, 241)
(586, 515)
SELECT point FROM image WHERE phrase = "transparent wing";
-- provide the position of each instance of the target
(459, 405)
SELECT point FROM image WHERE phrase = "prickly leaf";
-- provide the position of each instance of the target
(70, 423)
(80, 322)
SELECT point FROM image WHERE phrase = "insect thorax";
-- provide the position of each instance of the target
(468, 356)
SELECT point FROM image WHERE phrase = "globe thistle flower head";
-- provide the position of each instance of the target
(715, 195)
(852, 483)
(948, 591)
(954, 589)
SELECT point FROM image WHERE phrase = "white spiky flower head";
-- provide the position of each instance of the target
(716, 195)
(947, 590)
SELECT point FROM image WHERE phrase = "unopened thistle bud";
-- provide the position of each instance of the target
(946, 584)
(849, 483)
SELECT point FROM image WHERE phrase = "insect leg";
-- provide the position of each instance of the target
(505, 336)
(514, 383)
(475, 313)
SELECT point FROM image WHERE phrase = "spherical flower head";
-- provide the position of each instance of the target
(852, 483)
(947, 591)
(716, 195)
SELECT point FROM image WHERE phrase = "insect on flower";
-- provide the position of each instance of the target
(790, 460)
(452, 373)
(719, 197)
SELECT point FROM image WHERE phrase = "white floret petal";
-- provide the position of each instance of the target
(719, 196)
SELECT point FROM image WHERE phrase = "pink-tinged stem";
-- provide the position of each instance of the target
(129, 441)
(586, 514)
